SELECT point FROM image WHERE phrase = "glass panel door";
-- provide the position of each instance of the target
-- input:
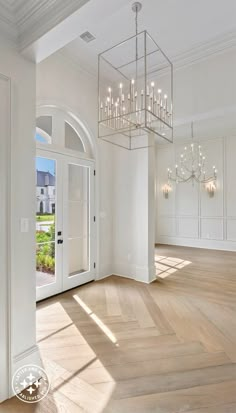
(48, 220)
(78, 218)
(78, 223)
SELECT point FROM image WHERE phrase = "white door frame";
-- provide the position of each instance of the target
(79, 158)
(5, 243)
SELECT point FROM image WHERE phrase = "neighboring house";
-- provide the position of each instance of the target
(45, 192)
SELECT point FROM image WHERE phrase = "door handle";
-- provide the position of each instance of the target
(60, 241)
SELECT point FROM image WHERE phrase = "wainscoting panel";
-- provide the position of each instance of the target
(188, 227)
(189, 216)
(230, 176)
(213, 207)
(231, 229)
(212, 228)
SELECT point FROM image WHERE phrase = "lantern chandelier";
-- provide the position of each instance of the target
(192, 166)
(135, 82)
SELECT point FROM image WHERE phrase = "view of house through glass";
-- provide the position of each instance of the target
(45, 220)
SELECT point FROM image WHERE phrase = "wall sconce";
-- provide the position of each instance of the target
(211, 188)
(166, 189)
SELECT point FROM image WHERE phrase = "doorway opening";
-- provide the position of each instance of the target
(65, 205)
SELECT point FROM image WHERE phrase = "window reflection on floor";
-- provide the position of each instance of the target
(165, 266)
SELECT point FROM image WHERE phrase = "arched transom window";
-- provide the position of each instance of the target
(60, 129)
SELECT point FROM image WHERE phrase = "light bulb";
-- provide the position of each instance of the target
(108, 99)
(165, 96)
(121, 85)
(109, 89)
(159, 91)
(132, 81)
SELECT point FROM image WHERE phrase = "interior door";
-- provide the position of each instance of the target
(78, 223)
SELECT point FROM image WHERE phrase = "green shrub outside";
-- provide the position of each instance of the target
(45, 252)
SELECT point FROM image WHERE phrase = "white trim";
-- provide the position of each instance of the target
(49, 107)
(44, 134)
(134, 279)
(210, 244)
(28, 356)
(8, 281)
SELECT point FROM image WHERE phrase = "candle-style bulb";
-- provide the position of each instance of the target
(121, 85)
(152, 84)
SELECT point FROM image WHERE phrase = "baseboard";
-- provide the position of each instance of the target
(101, 277)
(29, 356)
(137, 273)
(198, 243)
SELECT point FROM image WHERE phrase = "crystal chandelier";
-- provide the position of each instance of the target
(135, 82)
(192, 166)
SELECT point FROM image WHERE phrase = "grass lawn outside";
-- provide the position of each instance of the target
(49, 217)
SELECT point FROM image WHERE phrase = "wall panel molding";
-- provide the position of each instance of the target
(189, 216)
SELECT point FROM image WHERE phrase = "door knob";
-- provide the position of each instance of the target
(60, 241)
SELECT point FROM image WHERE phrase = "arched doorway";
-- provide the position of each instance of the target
(65, 223)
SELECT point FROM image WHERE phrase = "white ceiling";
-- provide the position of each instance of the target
(185, 29)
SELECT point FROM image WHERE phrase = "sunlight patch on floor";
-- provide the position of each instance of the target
(97, 320)
(165, 266)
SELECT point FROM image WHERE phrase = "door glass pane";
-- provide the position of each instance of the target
(45, 221)
(78, 219)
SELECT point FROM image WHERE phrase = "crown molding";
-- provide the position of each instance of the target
(203, 51)
(27, 20)
(34, 21)
(7, 24)
(198, 53)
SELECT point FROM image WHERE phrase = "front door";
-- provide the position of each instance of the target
(64, 222)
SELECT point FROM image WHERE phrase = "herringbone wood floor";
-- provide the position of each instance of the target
(120, 346)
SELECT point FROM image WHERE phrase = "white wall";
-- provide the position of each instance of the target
(189, 216)
(205, 89)
(205, 93)
(22, 247)
(133, 218)
(61, 82)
